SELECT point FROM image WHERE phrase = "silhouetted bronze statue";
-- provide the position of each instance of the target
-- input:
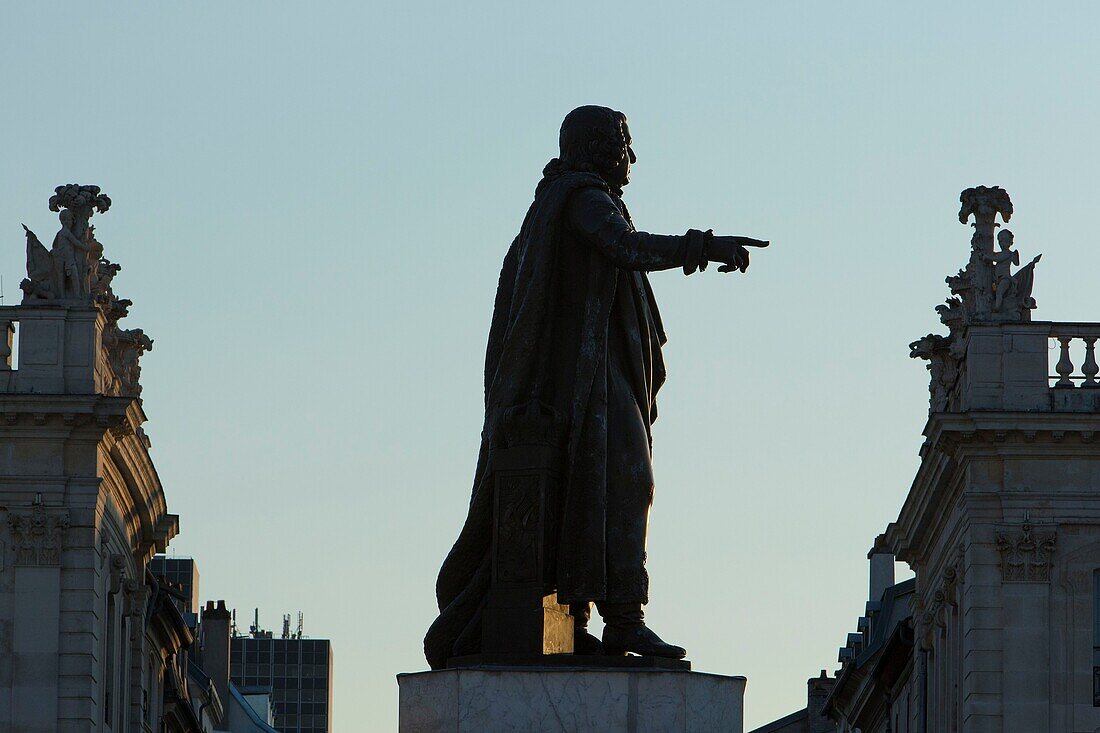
(575, 343)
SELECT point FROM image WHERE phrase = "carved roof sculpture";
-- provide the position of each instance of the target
(984, 292)
(73, 273)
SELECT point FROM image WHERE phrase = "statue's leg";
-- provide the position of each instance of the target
(629, 492)
(583, 641)
(629, 495)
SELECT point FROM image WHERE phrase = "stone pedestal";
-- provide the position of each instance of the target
(570, 699)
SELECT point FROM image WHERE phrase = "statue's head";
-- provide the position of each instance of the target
(596, 140)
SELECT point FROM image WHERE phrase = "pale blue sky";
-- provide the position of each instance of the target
(311, 202)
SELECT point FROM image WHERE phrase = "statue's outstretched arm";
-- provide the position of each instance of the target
(593, 214)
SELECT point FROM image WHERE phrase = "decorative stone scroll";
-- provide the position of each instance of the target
(118, 573)
(38, 535)
(932, 613)
(135, 598)
(986, 291)
(1027, 554)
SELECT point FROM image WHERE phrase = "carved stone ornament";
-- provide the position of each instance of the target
(985, 291)
(74, 271)
(943, 368)
(1026, 555)
(38, 535)
(135, 598)
(124, 351)
(935, 612)
(118, 570)
(70, 270)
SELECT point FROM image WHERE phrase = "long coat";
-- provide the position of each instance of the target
(548, 341)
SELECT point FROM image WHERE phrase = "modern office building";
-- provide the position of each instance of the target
(181, 572)
(298, 671)
(205, 695)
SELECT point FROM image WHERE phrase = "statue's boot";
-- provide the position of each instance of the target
(625, 631)
(583, 642)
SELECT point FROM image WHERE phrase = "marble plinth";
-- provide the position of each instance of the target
(570, 699)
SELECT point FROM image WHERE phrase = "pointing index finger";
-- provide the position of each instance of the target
(750, 242)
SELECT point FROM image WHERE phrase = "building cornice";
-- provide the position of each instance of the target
(953, 439)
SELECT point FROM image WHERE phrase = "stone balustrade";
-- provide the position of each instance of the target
(1076, 346)
(1040, 366)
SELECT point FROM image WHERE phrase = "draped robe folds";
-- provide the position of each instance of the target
(572, 287)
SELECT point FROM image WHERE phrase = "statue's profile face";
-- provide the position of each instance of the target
(596, 140)
(620, 175)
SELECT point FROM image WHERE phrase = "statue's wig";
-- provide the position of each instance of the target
(592, 140)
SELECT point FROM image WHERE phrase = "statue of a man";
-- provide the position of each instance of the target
(70, 254)
(575, 327)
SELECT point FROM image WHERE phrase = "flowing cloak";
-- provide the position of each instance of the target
(548, 341)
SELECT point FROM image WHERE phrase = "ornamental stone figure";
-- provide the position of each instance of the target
(986, 291)
(574, 346)
(69, 271)
(74, 275)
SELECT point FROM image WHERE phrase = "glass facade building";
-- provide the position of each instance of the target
(182, 572)
(298, 672)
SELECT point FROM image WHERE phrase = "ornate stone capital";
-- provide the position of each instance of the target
(80, 199)
(38, 534)
(1027, 553)
(984, 203)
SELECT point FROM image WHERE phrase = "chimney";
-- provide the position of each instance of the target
(882, 569)
(818, 689)
(215, 647)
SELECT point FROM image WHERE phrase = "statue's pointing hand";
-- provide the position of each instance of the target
(733, 252)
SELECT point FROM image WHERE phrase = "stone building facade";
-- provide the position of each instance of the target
(1000, 628)
(88, 637)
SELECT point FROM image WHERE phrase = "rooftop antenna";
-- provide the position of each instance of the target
(255, 628)
(286, 625)
(233, 626)
(298, 635)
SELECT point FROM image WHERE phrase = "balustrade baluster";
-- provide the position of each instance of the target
(1065, 364)
(1090, 368)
